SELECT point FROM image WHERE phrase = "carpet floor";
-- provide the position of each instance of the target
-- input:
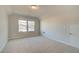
(37, 45)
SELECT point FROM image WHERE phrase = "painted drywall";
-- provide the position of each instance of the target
(53, 28)
(3, 27)
(56, 26)
(13, 26)
(57, 29)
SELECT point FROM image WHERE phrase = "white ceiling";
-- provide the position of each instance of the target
(46, 10)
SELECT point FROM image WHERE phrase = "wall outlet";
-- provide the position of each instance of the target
(43, 32)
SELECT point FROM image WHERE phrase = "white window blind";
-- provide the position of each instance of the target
(26, 25)
(31, 26)
(22, 25)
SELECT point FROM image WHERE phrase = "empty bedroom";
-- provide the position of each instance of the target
(39, 28)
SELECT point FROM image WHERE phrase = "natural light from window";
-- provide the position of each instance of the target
(22, 25)
(26, 26)
(31, 26)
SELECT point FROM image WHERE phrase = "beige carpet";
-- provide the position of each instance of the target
(37, 45)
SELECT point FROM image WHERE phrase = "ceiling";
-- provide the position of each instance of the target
(46, 10)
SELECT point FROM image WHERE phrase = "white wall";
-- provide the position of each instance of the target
(56, 26)
(55, 29)
(3, 27)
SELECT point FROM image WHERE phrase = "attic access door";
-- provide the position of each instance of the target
(74, 33)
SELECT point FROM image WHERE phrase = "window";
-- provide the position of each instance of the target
(31, 26)
(25, 26)
(22, 25)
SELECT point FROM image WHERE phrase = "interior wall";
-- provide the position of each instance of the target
(3, 27)
(56, 27)
(13, 27)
